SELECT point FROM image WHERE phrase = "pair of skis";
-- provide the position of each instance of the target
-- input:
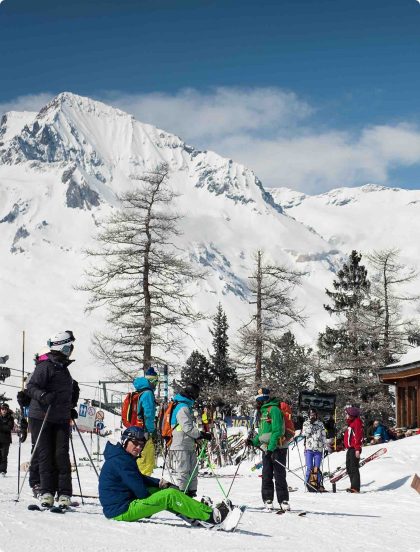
(53, 509)
(340, 473)
(229, 524)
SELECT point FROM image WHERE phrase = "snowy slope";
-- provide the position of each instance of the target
(365, 218)
(369, 218)
(13, 122)
(384, 517)
(61, 173)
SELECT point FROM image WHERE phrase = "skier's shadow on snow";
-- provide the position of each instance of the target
(346, 514)
(167, 521)
(394, 484)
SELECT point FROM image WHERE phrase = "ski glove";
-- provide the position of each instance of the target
(74, 414)
(23, 399)
(206, 435)
(46, 399)
(249, 442)
(269, 454)
(163, 484)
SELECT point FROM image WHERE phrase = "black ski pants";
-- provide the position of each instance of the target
(53, 456)
(271, 469)
(352, 467)
(4, 453)
(34, 470)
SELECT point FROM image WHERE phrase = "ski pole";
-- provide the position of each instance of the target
(200, 456)
(86, 449)
(75, 464)
(298, 476)
(300, 459)
(33, 451)
(23, 379)
(237, 469)
(217, 479)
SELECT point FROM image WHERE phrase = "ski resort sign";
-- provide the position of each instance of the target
(87, 417)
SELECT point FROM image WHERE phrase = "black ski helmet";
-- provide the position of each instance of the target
(191, 391)
(133, 432)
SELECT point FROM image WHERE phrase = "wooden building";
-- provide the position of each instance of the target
(405, 375)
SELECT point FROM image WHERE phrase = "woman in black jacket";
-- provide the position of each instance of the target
(6, 425)
(51, 389)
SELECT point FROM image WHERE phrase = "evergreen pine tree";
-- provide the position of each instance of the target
(197, 370)
(223, 370)
(289, 368)
(350, 353)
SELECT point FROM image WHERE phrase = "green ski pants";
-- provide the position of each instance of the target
(167, 499)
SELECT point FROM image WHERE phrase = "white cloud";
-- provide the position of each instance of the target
(28, 102)
(199, 116)
(270, 131)
(316, 162)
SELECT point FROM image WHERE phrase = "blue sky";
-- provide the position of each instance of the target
(311, 94)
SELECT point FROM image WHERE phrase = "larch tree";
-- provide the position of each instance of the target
(142, 278)
(271, 285)
(389, 288)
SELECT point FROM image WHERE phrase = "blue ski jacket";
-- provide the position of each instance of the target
(146, 409)
(182, 403)
(120, 481)
(380, 432)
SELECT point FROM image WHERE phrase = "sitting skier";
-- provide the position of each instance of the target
(127, 495)
(380, 433)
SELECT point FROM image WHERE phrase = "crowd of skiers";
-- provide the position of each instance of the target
(127, 491)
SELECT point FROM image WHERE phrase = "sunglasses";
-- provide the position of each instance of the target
(138, 443)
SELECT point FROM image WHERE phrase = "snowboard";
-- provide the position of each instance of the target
(343, 472)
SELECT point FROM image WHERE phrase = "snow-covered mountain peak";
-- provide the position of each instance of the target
(104, 150)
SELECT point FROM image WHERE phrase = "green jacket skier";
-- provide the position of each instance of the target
(270, 433)
(271, 426)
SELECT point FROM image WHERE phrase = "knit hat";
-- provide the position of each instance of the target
(352, 411)
(263, 394)
(151, 372)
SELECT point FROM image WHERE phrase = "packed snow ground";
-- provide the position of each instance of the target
(385, 517)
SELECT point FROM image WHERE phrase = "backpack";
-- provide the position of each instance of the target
(315, 481)
(129, 416)
(289, 426)
(165, 427)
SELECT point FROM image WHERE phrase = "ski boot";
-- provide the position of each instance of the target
(220, 511)
(64, 502)
(46, 501)
(285, 506)
(269, 506)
